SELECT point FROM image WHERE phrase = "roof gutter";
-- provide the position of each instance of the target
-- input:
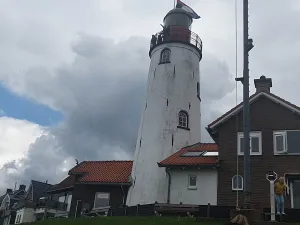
(169, 186)
(209, 130)
(207, 166)
(60, 189)
(100, 183)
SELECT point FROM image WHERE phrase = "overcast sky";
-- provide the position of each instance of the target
(73, 74)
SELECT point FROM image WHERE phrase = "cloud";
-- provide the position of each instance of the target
(15, 137)
(93, 68)
(100, 93)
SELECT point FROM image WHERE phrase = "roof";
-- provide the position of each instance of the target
(252, 99)
(17, 194)
(1, 198)
(116, 172)
(65, 184)
(23, 204)
(39, 189)
(178, 159)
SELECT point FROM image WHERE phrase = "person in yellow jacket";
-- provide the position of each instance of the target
(280, 188)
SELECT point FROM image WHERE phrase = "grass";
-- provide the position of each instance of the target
(127, 221)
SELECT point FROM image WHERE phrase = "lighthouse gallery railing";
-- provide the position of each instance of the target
(178, 34)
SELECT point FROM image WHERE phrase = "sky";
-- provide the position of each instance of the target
(73, 74)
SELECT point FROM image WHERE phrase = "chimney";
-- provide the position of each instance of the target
(9, 190)
(22, 187)
(263, 84)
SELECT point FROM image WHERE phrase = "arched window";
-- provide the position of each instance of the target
(183, 119)
(165, 56)
(237, 183)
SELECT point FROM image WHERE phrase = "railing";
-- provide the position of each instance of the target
(51, 204)
(176, 34)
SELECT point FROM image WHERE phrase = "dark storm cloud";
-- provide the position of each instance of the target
(100, 94)
(99, 85)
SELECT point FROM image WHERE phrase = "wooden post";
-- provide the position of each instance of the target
(137, 209)
(208, 210)
(125, 210)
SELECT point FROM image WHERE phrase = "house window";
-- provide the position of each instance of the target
(287, 142)
(183, 119)
(18, 218)
(192, 182)
(101, 200)
(255, 143)
(165, 56)
(237, 183)
(62, 199)
(69, 201)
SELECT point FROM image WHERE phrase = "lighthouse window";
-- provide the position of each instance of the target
(198, 90)
(183, 119)
(165, 56)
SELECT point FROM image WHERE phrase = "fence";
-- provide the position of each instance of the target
(207, 211)
(200, 211)
(292, 215)
(139, 210)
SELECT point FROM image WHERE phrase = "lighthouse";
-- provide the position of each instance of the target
(171, 112)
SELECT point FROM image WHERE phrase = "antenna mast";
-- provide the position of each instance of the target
(248, 45)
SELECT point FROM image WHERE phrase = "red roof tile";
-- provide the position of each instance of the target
(178, 160)
(281, 100)
(103, 171)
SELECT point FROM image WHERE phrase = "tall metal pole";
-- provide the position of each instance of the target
(246, 123)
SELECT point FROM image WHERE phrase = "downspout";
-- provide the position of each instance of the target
(123, 194)
(169, 185)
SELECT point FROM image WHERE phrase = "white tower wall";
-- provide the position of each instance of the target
(172, 87)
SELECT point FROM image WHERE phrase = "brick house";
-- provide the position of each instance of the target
(99, 185)
(274, 145)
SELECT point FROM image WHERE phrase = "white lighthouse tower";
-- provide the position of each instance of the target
(171, 113)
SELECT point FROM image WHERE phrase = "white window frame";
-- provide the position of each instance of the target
(19, 219)
(60, 199)
(185, 119)
(189, 179)
(96, 193)
(285, 146)
(69, 202)
(165, 56)
(251, 134)
(237, 186)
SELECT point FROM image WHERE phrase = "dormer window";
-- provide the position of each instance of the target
(165, 56)
(183, 120)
